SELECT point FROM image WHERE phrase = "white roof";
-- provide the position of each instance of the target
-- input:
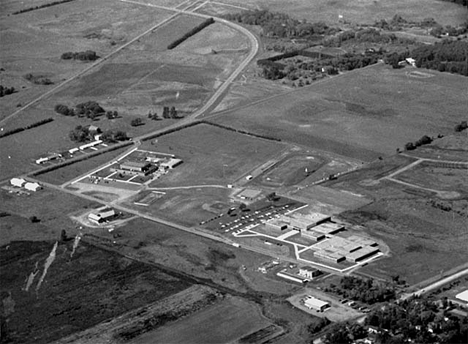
(463, 296)
(18, 180)
(315, 303)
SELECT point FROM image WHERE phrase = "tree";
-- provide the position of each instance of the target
(63, 236)
(34, 219)
(166, 113)
(173, 112)
(136, 122)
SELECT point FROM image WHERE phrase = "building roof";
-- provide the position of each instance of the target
(362, 252)
(134, 164)
(308, 268)
(249, 193)
(338, 244)
(463, 296)
(329, 254)
(311, 217)
(328, 228)
(17, 181)
(363, 241)
(315, 303)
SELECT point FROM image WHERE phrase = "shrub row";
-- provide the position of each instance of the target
(242, 131)
(173, 130)
(42, 6)
(192, 32)
(425, 140)
(34, 125)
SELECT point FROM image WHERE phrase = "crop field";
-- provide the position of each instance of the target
(352, 114)
(223, 322)
(429, 175)
(362, 11)
(88, 288)
(211, 155)
(33, 42)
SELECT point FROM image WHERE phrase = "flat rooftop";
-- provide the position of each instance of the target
(337, 244)
(310, 217)
(463, 296)
(249, 193)
(328, 228)
(362, 253)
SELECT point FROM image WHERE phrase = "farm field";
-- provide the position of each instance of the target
(33, 42)
(417, 226)
(222, 322)
(92, 286)
(52, 218)
(363, 11)
(211, 155)
(361, 106)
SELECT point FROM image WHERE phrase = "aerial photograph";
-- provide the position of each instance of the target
(234, 172)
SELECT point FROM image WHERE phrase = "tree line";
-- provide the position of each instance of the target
(87, 55)
(30, 126)
(89, 109)
(281, 25)
(419, 321)
(41, 6)
(38, 79)
(4, 91)
(365, 290)
(83, 134)
(425, 140)
(189, 34)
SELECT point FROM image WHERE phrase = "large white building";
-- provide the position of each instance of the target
(101, 216)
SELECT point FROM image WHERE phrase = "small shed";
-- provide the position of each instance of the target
(32, 186)
(18, 182)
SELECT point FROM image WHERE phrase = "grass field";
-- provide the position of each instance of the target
(52, 218)
(211, 155)
(410, 221)
(33, 42)
(362, 11)
(78, 292)
(222, 322)
(362, 114)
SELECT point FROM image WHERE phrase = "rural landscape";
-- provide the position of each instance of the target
(252, 172)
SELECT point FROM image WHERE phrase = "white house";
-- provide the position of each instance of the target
(18, 182)
(32, 186)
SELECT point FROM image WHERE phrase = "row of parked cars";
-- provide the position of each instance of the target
(355, 305)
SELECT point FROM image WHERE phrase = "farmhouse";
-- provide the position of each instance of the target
(314, 303)
(249, 194)
(135, 168)
(309, 272)
(101, 216)
(32, 186)
(18, 182)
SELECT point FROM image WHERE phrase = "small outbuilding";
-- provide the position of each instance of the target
(309, 272)
(101, 216)
(32, 186)
(18, 182)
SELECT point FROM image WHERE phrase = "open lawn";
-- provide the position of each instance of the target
(360, 11)
(211, 155)
(352, 114)
(52, 218)
(223, 322)
(185, 206)
(79, 292)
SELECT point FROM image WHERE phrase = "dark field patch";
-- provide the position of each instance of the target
(77, 292)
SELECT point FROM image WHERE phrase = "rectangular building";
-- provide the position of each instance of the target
(32, 186)
(292, 277)
(309, 272)
(102, 215)
(307, 221)
(328, 228)
(363, 241)
(249, 194)
(313, 235)
(277, 224)
(171, 163)
(316, 304)
(330, 255)
(18, 182)
(361, 254)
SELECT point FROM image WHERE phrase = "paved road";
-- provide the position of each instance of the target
(435, 285)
